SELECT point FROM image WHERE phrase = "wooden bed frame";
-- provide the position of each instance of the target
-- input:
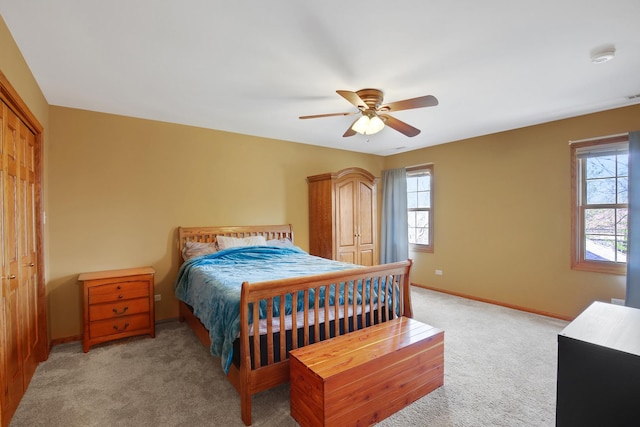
(250, 378)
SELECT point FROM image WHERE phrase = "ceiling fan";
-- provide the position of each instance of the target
(373, 113)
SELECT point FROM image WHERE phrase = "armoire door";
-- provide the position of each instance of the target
(346, 239)
(355, 221)
(366, 231)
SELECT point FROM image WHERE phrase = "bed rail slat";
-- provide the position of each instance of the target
(306, 317)
(400, 293)
(354, 305)
(256, 337)
(269, 331)
(370, 313)
(327, 292)
(316, 310)
(294, 321)
(283, 337)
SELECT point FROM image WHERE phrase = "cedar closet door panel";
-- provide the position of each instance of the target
(23, 328)
(28, 271)
(19, 271)
(13, 381)
(4, 324)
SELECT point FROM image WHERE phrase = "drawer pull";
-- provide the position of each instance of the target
(118, 287)
(126, 325)
(120, 296)
(124, 310)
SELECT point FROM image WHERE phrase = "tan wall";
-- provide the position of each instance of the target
(119, 188)
(502, 216)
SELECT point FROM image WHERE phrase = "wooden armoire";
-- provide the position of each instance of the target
(23, 329)
(342, 216)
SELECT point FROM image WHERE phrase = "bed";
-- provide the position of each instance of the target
(295, 299)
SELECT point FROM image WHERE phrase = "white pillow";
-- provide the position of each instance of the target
(193, 249)
(225, 242)
(281, 243)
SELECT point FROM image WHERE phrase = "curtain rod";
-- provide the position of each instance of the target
(599, 137)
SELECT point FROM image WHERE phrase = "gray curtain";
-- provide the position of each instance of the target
(632, 298)
(394, 239)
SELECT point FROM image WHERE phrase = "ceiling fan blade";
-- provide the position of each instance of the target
(350, 131)
(315, 116)
(407, 104)
(353, 98)
(399, 125)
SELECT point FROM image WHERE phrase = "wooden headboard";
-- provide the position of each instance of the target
(208, 234)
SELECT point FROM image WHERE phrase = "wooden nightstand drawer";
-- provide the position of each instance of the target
(117, 304)
(118, 292)
(114, 288)
(103, 328)
(118, 309)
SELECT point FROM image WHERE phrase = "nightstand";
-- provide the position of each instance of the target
(117, 304)
(599, 368)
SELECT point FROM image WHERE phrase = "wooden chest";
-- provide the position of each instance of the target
(117, 304)
(365, 376)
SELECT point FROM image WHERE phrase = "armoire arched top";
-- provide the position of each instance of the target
(348, 171)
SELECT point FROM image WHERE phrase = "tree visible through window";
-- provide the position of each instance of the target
(420, 207)
(600, 173)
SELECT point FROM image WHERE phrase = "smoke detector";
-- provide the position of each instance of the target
(603, 54)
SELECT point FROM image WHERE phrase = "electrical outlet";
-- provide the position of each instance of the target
(157, 297)
(438, 272)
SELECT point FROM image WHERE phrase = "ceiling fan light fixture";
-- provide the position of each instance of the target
(374, 114)
(368, 124)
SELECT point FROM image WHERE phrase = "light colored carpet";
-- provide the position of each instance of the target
(500, 370)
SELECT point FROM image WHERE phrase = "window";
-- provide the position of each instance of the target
(600, 180)
(420, 207)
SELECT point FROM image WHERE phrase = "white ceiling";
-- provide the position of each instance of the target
(253, 67)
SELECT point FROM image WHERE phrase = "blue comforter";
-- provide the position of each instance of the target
(211, 285)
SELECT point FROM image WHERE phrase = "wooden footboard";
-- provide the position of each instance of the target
(253, 376)
(263, 360)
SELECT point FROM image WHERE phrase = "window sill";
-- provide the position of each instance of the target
(601, 267)
(420, 248)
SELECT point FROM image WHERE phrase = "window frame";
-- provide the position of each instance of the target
(415, 247)
(578, 261)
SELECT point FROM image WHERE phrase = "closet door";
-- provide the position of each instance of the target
(23, 333)
(27, 261)
(3, 300)
(13, 377)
